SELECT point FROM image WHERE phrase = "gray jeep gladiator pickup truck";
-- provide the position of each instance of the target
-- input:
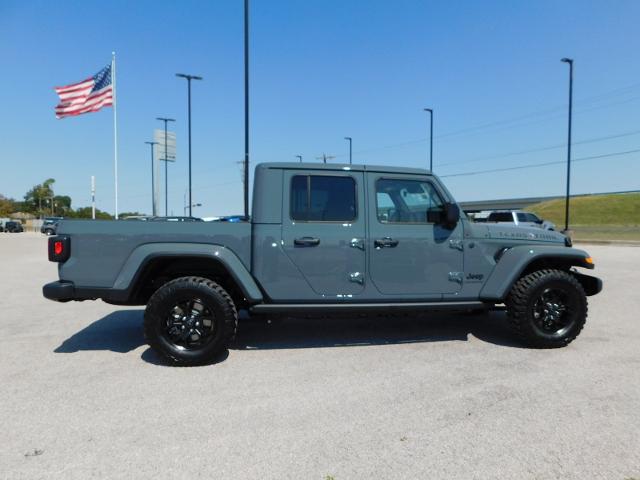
(324, 239)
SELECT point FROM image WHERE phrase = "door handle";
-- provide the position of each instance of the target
(385, 242)
(357, 243)
(306, 242)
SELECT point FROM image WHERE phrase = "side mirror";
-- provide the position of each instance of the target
(451, 214)
(448, 215)
(435, 215)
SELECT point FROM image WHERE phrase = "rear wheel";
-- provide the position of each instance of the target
(547, 308)
(190, 320)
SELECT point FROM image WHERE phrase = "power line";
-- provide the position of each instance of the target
(543, 149)
(506, 123)
(535, 165)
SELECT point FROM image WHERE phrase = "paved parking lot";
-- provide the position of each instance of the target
(443, 397)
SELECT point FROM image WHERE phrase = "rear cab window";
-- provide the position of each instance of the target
(323, 198)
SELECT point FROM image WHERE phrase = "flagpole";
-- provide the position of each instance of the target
(115, 128)
(93, 197)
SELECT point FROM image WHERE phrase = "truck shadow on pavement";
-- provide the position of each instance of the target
(121, 332)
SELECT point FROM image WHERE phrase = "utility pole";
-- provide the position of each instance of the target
(325, 157)
(189, 78)
(566, 203)
(350, 150)
(166, 161)
(430, 138)
(153, 181)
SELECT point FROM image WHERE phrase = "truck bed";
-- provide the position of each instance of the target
(100, 249)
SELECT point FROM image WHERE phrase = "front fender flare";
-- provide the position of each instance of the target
(143, 254)
(516, 259)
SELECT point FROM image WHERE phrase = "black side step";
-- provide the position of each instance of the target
(366, 307)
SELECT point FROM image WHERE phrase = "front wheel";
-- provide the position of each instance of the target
(190, 320)
(547, 308)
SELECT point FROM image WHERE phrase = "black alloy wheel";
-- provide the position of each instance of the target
(547, 308)
(190, 320)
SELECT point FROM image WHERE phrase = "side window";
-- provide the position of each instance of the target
(501, 217)
(405, 201)
(323, 198)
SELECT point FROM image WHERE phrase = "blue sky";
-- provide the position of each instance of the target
(320, 71)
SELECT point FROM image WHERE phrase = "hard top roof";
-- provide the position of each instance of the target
(342, 167)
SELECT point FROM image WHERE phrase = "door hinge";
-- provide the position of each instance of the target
(356, 277)
(456, 277)
(456, 244)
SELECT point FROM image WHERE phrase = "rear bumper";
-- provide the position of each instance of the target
(59, 291)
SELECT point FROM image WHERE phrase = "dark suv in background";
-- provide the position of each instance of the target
(13, 227)
(50, 225)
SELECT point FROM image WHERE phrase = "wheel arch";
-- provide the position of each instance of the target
(522, 260)
(152, 265)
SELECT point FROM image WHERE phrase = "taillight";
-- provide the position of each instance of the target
(59, 248)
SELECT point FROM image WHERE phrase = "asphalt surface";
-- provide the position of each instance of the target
(443, 397)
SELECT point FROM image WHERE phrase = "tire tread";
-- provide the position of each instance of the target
(168, 289)
(517, 305)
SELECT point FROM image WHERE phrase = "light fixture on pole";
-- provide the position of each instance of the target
(566, 203)
(153, 183)
(350, 149)
(299, 157)
(166, 160)
(430, 138)
(189, 78)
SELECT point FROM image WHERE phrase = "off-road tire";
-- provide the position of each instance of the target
(160, 306)
(521, 303)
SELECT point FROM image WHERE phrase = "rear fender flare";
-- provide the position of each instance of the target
(143, 254)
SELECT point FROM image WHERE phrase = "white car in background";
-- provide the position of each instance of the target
(519, 218)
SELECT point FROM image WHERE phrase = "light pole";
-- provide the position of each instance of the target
(299, 157)
(246, 109)
(153, 182)
(566, 202)
(166, 160)
(350, 149)
(190, 205)
(189, 78)
(430, 138)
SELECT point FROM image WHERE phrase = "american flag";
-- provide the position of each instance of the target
(89, 95)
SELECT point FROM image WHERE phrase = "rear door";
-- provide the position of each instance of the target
(323, 229)
(408, 254)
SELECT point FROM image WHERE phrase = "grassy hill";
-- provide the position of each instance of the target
(597, 217)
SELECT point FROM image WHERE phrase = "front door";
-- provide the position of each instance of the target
(323, 230)
(408, 254)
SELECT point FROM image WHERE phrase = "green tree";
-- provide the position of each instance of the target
(61, 205)
(85, 212)
(35, 200)
(7, 206)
